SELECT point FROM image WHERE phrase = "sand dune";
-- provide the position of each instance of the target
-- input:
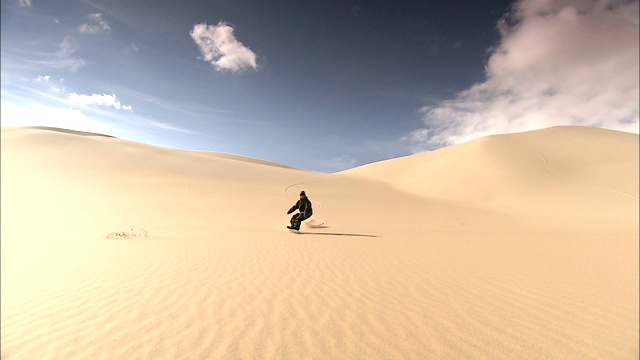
(512, 246)
(579, 173)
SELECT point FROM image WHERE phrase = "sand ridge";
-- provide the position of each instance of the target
(428, 256)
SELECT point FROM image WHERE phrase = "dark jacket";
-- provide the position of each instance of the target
(304, 206)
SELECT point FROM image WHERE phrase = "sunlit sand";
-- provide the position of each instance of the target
(519, 246)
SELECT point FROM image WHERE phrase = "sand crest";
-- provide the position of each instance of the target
(513, 246)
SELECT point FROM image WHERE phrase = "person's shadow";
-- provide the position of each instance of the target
(331, 233)
(336, 234)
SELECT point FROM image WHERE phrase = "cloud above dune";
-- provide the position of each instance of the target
(220, 47)
(98, 100)
(40, 114)
(559, 62)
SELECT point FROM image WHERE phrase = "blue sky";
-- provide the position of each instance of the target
(322, 85)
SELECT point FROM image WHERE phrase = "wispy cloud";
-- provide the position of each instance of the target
(64, 56)
(67, 47)
(220, 47)
(130, 49)
(25, 3)
(339, 163)
(165, 126)
(98, 100)
(166, 105)
(37, 57)
(558, 63)
(96, 24)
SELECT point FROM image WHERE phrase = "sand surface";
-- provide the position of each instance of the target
(520, 246)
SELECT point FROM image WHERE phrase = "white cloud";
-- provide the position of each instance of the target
(45, 78)
(98, 100)
(96, 24)
(53, 85)
(25, 3)
(559, 62)
(219, 46)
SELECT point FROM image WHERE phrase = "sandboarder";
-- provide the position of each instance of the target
(305, 211)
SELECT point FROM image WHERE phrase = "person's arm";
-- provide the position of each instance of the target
(294, 207)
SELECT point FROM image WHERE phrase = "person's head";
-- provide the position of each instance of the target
(303, 194)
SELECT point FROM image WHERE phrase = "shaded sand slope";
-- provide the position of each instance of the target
(464, 267)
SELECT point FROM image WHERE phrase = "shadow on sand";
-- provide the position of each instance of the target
(335, 234)
(323, 226)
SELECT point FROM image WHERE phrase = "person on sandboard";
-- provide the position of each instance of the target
(305, 211)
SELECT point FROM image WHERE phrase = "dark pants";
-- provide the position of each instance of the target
(297, 219)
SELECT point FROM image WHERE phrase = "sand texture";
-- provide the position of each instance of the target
(519, 246)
